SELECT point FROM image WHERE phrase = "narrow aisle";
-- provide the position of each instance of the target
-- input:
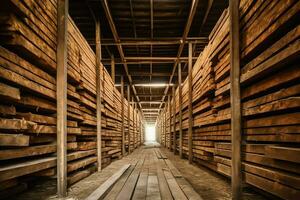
(151, 176)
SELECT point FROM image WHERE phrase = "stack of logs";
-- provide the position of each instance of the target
(270, 89)
(28, 99)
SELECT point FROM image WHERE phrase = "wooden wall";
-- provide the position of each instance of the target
(28, 99)
(270, 89)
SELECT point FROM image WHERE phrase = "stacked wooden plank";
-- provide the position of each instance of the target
(28, 98)
(81, 105)
(270, 89)
(27, 93)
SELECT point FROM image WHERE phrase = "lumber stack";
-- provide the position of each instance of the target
(28, 94)
(28, 99)
(81, 105)
(270, 89)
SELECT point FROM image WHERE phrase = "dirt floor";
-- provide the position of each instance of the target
(210, 185)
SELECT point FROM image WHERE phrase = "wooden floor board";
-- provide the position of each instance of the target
(141, 187)
(151, 176)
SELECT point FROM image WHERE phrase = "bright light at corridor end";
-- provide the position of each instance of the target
(153, 85)
(150, 133)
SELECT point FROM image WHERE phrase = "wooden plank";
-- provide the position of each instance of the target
(113, 193)
(15, 124)
(80, 154)
(7, 110)
(9, 92)
(77, 176)
(24, 168)
(173, 169)
(272, 187)
(188, 190)
(153, 188)
(27, 151)
(14, 140)
(177, 193)
(100, 192)
(283, 153)
(128, 189)
(163, 185)
(80, 163)
(140, 191)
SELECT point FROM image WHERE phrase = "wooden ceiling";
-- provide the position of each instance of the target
(147, 38)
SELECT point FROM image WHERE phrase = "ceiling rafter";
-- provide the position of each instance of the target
(119, 46)
(184, 36)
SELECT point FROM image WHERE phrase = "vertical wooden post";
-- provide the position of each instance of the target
(112, 67)
(190, 90)
(122, 116)
(235, 101)
(142, 130)
(128, 118)
(98, 92)
(133, 114)
(165, 126)
(61, 96)
(137, 128)
(180, 109)
(174, 120)
(170, 120)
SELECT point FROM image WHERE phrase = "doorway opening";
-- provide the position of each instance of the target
(150, 133)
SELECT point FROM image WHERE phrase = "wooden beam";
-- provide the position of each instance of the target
(61, 96)
(174, 120)
(128, 117)
(192, 12)
(190, 96)
(118, 62)
(235, 101)
(161, 58)
(133, 125)
(170, 120)
(158, 74)
(207, 11)
(119, 46)
(103, 189)
(122, 115)
(165, 126)
(112, 67)
(180, 109)
(98, 91)
(150, 41)
(148, 95)
(15, 140)
(136, 127)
